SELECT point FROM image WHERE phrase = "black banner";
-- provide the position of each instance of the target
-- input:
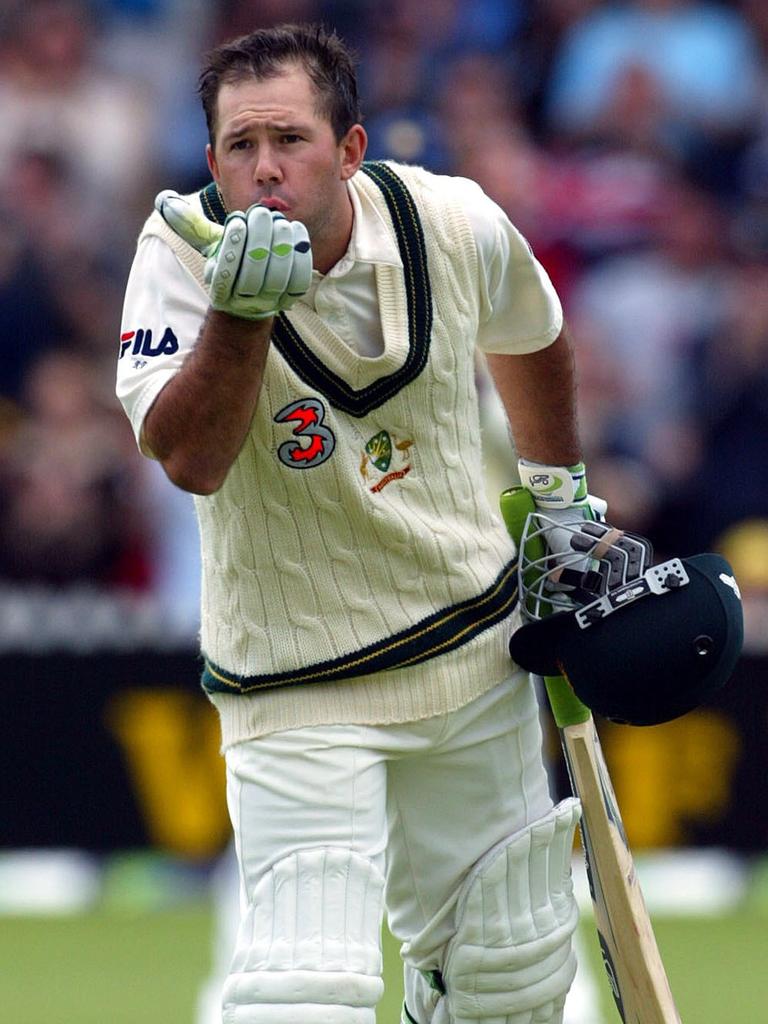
(109, 751)
(699, 780)
(107, 741)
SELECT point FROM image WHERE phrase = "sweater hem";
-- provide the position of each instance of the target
(436, 635)
(435, 687)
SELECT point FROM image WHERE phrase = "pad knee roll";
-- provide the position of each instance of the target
(510, 960)
(309, 947)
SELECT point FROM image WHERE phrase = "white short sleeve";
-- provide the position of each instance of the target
(519, 308)
(162, 314)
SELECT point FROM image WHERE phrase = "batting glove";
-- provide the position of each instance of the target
(257, 263)
(560, 493)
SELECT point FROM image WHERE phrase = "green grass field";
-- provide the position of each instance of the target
(144, 968)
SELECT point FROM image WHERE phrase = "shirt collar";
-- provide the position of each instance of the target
(372, 240)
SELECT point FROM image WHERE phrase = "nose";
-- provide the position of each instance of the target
(267, 170)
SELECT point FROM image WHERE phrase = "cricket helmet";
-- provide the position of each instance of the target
(639, 643)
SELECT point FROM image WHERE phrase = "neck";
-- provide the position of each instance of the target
(330, 239)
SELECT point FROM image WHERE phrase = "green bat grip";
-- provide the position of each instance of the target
(516, 504)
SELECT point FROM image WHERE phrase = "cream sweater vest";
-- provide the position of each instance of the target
(352, 568)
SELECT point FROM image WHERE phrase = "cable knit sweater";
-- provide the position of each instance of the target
(352, 568)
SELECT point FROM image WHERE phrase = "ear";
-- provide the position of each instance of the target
(352, 148)
(212, 165)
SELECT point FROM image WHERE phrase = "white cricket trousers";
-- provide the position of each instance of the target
(414, 804)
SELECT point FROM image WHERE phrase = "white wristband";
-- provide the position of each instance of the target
(554, 487)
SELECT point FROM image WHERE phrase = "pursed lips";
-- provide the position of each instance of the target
(273, 203)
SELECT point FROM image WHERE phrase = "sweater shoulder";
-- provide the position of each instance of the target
(441, 201)
(155, 227)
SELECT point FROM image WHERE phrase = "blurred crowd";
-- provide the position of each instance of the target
(627, 140)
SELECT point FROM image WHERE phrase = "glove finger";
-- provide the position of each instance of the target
(301, 270)
(250, 281)
(224, 267)
(188, 222)
(543, 1014)
(280, 257)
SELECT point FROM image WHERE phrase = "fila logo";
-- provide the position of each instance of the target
(317, 442)
(140, 343)
(730, 581)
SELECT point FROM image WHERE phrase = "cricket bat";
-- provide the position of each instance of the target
(630, 953)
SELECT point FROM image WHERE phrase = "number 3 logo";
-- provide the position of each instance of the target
(308, 415)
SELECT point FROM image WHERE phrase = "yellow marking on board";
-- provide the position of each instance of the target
(670, 777)
(170, 741)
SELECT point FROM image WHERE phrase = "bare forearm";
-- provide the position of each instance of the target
(199, 421)
(538, 392)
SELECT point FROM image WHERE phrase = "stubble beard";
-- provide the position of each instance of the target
(322, 224)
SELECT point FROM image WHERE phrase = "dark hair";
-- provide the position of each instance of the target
(327, 60)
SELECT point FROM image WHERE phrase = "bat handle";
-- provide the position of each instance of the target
(516, 504)
(567, 709)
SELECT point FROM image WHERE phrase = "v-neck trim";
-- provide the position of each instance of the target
(352, 383)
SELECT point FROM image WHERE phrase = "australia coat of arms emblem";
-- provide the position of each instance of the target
(385, 458)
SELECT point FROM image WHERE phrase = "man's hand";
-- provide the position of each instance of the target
(257, 263)
(560, 495)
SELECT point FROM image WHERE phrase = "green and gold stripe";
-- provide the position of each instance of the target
(212, 203)
(437, 634)
(410, 242)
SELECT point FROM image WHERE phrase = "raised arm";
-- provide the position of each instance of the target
(199, 421)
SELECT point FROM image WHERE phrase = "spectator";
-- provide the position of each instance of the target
(477, 100)
(644, 311)
(74, 248)
(433, 71)
(698, 60)
(53, 92)
(157, 43)
(729, 482)
(400, 119)
(30, 321)
(538, 40)
(66, 514)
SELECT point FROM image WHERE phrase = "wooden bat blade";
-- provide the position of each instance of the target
(632, 960)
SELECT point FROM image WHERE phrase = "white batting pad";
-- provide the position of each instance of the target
(510, 960)
(308, 950)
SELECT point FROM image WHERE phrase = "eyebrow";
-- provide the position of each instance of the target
(276, 126)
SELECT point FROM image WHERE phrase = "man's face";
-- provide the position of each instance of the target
(272, 147)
